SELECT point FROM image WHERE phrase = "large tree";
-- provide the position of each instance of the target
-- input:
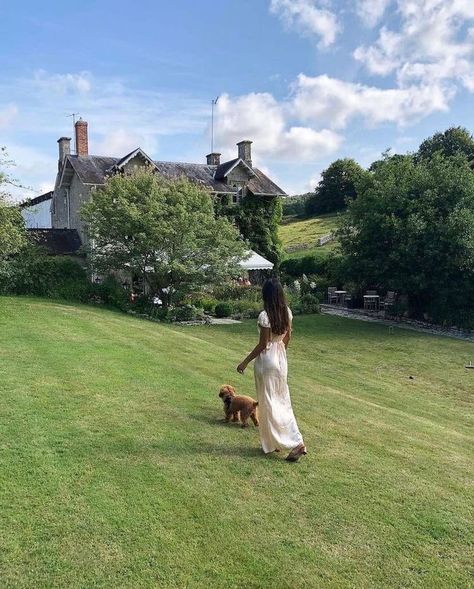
(12, 226)
(336, 188)
(161, 230)
(453, 141)
(411, 229)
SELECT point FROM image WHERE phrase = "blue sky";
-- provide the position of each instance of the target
(307, 80)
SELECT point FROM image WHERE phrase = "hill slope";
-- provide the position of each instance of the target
(295, 232)
(116, 471)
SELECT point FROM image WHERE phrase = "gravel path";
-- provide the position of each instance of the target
(404, 324)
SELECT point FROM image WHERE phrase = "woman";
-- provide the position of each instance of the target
(278, 428)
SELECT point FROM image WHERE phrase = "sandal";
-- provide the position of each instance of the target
(296, 453)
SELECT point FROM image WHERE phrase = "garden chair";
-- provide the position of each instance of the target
(389, 300)
(332, 296)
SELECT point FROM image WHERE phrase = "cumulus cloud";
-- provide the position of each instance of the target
(434, 42)
(309, 17)
(266, 121)
(333, 103)
(371, 11)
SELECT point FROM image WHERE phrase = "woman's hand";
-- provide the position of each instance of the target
(241, 367)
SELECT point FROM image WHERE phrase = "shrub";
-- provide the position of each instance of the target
(247, 309)
(46, 276)
(109, 293)
(236, 292)
(309, 303)
(206, 303)
(223, 310)
(187, 313)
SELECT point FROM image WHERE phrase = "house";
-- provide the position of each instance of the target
(79, 174)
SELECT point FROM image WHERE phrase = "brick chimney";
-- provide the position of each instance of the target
(82, 142)
(213, 159)
(64, 149)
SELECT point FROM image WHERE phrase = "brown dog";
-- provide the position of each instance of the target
(235, 405)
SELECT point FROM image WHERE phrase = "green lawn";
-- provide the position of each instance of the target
(294, 232)
(117, 471)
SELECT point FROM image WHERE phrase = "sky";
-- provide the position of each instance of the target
(308, 81)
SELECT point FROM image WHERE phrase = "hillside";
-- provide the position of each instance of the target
(117, 471)
(300, 236)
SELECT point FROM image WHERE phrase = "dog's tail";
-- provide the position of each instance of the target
(255, 403)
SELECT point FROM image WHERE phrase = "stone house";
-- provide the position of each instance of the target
(79, 174)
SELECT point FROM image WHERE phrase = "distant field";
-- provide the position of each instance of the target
(116, 470)
(306, 231)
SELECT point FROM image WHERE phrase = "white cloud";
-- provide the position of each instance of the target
(371, 11)
(264, 120)
(383, 57)
(309, 18)
(433, 43)
(63, 83)
(333, 103)
(119, 142)
(7, 115)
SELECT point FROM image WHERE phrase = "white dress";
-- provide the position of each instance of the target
(278, 427)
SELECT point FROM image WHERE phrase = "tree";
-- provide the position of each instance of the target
(454, 141)
(336, 188)
(411, 229)
(12, 226)
(164, 231)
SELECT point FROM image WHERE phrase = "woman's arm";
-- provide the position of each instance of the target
(286, 339)
(262, 344)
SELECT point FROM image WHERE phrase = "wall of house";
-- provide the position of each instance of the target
(79, 193)
(59, 216)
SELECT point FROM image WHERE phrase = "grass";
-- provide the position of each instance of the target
(116, 471)
(295, 232)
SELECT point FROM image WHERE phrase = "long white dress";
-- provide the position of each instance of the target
(278, 427)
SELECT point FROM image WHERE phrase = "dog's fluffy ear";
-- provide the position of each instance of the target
(226, 389)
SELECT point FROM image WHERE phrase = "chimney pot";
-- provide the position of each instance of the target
(82, 141)
(213, 159)
(245, 151)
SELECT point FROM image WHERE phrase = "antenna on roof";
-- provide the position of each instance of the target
(213, 103)
(74, 115)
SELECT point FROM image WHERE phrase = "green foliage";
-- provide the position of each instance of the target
(223, 309)
(296, 267)
(109, 293)
(453, 141)
(12, 226)
(236, 292)
(309, 303)
(245, 309)
(164, 231)
(337, 187)
(35, 274)
(258, 218)
(187, 313)
(411, 230)
(294, 206)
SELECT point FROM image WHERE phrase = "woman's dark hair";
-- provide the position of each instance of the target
(274, 303)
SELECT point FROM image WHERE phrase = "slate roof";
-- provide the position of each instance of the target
(57, 242)
(93, 169)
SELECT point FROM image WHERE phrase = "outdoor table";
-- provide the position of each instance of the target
(341, 296)
(371, 300)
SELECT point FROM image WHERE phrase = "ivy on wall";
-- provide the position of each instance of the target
(257, 218)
